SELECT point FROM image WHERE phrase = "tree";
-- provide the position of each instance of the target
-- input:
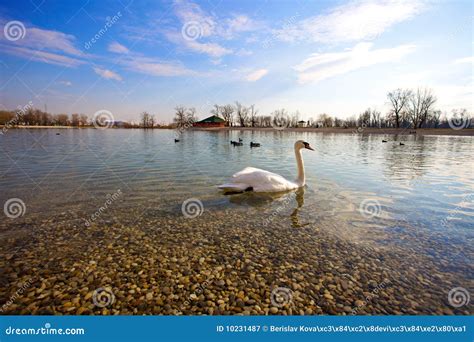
(252, 115)
(325, 120)
(280, 118)
(399, 99)
(191, 116)
(241, 112)
(216, 110)
(180, 116)
(147, 120)
(75, 120)
(227, 112)
(420, 105)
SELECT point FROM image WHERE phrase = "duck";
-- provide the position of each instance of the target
(252, 144)
(258, 180)
(176, 140)
(236, 143)
(402, 144)
(384, 141)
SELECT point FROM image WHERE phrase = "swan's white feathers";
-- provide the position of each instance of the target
(259, 180)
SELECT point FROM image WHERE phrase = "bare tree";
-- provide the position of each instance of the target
(147, 120)
(325, 120)
(399, 99)
(280, 118)
(242, 113)
(227, 112)
(252, 115)
(420, 105)
(180, 116)
(216, 110)
(191, 116)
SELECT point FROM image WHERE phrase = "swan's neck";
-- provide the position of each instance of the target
(300, 180)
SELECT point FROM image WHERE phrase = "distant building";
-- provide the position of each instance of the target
(301, 123)
(212, 121)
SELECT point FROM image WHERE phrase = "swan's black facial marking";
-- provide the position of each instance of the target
(306, 145)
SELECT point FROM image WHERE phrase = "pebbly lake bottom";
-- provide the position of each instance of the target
(224, 261)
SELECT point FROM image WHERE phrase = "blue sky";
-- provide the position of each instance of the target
(312, 56)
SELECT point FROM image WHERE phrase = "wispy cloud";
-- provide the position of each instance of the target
(41, 56)
(117, 48)
(320, 66)
(256, 75)
(66, 83)
(108, 74)
(355, 21)
(150, 66)
(199, 26)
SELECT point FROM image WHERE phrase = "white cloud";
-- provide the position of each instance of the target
(355, 21)
(464, 60)
(41, 56)
(117, 48)
(39, 39)
(108, 74)
(256, 75)
(66, 83)
(320, 66)
(212, 49)
(153, 67)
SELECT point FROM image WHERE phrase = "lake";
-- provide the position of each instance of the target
(99, 225)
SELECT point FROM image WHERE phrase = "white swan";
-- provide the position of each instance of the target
(258, 180)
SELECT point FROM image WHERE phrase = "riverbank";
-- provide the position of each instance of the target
(330, 130)
(335, 130)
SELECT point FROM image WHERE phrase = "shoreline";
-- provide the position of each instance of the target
(332, 130)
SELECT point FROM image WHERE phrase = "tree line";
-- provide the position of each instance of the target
(407, 109)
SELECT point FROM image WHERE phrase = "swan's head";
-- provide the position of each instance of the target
(302, 144)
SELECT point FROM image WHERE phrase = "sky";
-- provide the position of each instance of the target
(336, 57)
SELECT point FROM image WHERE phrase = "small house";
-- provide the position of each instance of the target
(212, 121)
(301, 123)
